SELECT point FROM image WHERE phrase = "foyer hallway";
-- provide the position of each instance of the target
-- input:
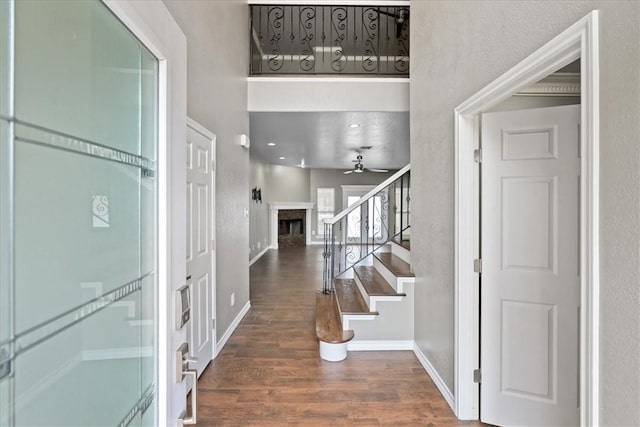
(270, 374)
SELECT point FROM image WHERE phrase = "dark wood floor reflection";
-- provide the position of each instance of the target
(270, 374)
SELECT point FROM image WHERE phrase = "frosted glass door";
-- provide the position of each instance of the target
(78, 218)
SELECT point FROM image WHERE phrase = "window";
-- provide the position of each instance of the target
(326, 203)
(374, 216)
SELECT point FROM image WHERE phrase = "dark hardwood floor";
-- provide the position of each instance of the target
(270, 374)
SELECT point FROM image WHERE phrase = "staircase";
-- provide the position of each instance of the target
(367, 298)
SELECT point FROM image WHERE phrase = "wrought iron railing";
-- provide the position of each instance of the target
(306, 39)
(379, 216)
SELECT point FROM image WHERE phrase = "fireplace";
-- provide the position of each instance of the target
(291, 227)
(290, 224)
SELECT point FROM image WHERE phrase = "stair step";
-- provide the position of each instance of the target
(395, 264)
(404, 243)
(374, 283)
(328, 323)
(350, 299)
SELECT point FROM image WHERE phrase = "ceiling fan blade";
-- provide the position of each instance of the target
(348, 172)
(378, 170)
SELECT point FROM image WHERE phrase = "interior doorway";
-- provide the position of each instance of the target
(579, 42)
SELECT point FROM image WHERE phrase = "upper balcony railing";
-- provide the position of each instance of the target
(350, 40)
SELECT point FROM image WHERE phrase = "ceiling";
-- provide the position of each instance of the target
(325, 141)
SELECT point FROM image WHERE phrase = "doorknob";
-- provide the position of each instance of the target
(182, 371)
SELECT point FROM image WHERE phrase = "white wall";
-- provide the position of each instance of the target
(457, 49)
(258, 212)
(328, 94)
(287, 184)
(278, 184)
(218, 53)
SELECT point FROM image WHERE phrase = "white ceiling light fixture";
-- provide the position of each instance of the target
(354, 125)
(271, 144)
(282, 158)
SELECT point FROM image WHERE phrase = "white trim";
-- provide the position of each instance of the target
(274, 207)
(382, 345)
(435, 377)
(257, 257)
(578, 41)
(557, 84)
(347, 318)
(201, 129)
(381, 3)
(223, 340)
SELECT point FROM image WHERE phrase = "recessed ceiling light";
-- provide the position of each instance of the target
(354, 125)
(281, 158)
(271, 144)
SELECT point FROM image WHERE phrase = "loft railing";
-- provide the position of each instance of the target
(379, 216)
(306, 39)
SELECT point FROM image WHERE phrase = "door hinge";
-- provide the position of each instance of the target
(477, 376)
(477, 155)
(213, 323)
(477, 265)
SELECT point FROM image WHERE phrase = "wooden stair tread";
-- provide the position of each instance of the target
(395, 264)
(374, 283)
(350, 299)
(328, 323)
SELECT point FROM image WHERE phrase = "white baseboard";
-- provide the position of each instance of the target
(379, 345)
(257, 257)
(437, 379)
(223, 340)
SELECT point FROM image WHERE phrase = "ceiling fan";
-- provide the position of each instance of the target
(359, 167)
(401, 17)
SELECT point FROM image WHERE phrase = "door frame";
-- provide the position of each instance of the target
(212, 209)
(580, 41)
(154, 26)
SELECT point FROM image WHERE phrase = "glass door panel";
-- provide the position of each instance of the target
(78, 207)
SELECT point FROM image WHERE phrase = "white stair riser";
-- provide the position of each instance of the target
(386, 273)
(394, 322)
(401, 252)
(363, 292)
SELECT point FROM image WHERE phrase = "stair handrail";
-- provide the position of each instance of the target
(343, 250)
(370, 194)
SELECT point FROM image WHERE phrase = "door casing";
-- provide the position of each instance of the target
(580, 41)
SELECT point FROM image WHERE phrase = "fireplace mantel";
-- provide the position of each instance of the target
(274, 207)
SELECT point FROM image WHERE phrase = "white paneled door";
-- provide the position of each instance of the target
(530, 267)
(201, 243)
